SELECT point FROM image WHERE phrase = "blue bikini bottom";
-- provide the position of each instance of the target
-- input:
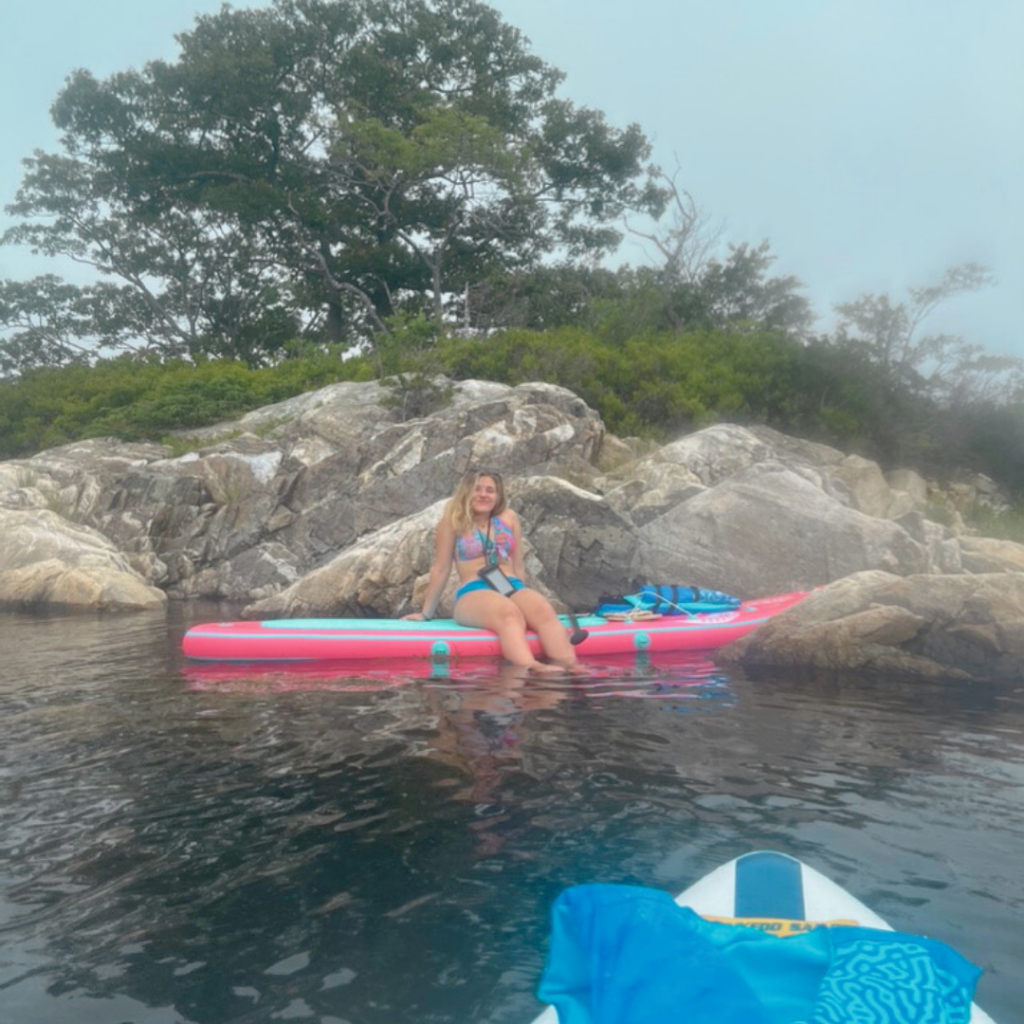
(472, 585)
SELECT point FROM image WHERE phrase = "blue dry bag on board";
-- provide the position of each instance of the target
(670, 599)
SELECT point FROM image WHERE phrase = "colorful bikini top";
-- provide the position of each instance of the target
(496, 545)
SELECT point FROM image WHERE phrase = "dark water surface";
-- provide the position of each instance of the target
(199, 845)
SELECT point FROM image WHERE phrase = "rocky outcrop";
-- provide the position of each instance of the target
(773, 527)
(986, 554)
(265, 501)
(47, 561)
(378, 571)
(933, 627)
(325, 505)
(577, 547)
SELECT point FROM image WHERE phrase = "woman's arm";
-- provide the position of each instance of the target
(444, 547)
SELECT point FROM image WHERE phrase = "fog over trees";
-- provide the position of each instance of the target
(400, 177)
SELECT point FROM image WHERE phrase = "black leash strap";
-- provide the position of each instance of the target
(578, 634)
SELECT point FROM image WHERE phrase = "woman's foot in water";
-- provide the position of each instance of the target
(574, 668)
(542, 668)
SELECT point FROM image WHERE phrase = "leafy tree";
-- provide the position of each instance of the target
(942, 366)
(935, 395)
(697, 291)
(314, 167)
(733, 294)
(543, 298)
(994, 440)
(48, 323)
(683, 247)
(737, 291)
(184, 281)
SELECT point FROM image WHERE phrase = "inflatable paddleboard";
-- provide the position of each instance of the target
(777, 894)
(445, 639)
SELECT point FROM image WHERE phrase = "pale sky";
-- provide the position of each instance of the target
(874, 143)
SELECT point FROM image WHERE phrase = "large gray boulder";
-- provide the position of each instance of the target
(710, 456)
(46, 560)
(379, 575)
(988, 554)
(266, 500)
(770, 528)
(929, 627)
(718, 452)
(913, 485)
(382, 471)
(869, 489)
(576, 547)
(579, 547)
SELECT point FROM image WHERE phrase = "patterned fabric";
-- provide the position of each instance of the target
(499, 540)
(874, 980)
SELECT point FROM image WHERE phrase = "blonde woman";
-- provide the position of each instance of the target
(479, 534)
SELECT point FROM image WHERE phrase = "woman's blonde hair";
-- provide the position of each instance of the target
(459, 510)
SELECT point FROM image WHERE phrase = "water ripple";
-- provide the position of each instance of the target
(213, 844)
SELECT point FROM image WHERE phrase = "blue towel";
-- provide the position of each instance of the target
(629, 955)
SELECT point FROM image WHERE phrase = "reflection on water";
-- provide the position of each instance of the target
(186, 843)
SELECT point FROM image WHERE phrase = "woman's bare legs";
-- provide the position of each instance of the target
(544, 620)
(486, 609)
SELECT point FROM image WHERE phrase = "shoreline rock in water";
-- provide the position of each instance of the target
(47, 561)
(325, 505)
(926, 627)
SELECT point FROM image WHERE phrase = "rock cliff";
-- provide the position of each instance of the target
(324, 505)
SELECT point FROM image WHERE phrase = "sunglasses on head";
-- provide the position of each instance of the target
(474, 472)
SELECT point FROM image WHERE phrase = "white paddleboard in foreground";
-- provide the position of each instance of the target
(780, 894)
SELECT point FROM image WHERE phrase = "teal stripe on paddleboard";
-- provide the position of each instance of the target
(769, 885)
(393, 626)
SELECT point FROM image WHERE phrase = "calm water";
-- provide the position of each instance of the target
(197, 845)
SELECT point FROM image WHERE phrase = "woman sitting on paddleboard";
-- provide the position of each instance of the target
(482, 536)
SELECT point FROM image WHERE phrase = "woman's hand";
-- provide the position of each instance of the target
(415, 616)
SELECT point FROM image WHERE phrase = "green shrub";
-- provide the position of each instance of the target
(1004, 524)
(939, 510)
(643, 382)
(136, 399)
